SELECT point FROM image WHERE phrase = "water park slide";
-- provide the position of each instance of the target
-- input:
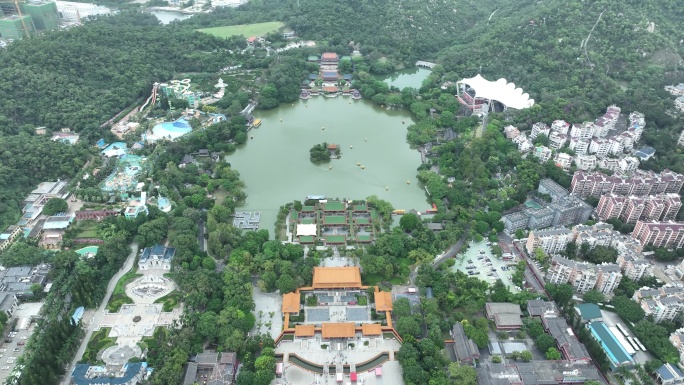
(152, 97)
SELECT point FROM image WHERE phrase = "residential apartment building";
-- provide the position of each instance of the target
(511, 132)
(677, 90)
(680, 141)
(659, 234)
(557, 140)
(563, 160)
(599, 234)
(633, 267)
(560, 126)
(601, 147)
(619, 166)
(584, 276)
(539, 129)
(679, 103)
(553, 189)
(637, 120)
(586, 162)
(581, 275)
(579, 145)
(663, 304)
(566, 211)
(524, 144)
(551, 241)
(585, 184)
(677, 339)
(663, 308)
(610, 206)
(570, 210)
(542, 153)
(609, 277)
(560, 270)
(582, 131)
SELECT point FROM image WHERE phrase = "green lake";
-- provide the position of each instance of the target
(275, 165)
(410, 77)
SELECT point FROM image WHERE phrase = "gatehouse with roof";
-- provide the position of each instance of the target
(338, 326)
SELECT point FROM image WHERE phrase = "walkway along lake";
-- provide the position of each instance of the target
(276, 168)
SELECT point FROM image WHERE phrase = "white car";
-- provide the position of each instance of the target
(24, 337)
(3, 350)
(5, 367)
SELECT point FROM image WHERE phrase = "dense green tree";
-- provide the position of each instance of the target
(462, 374)
(553, 354)
(409, 222)
(544, 342)
(319, 153)
(408, 326)
(627, 309)
(593, 296)
(55, 206)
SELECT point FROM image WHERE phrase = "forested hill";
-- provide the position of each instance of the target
(82, 77)
(589, 52)
(399, 31)
(552, 48)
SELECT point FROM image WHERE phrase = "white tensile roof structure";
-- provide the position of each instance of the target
(500, 90)
(306, 229)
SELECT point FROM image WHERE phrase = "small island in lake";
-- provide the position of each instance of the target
(323, 152)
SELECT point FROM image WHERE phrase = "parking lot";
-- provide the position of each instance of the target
(478, 261)
(12, 344)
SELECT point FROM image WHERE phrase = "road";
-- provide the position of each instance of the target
(200, 236)
(450, 253)
(97, 318)
(532, 271)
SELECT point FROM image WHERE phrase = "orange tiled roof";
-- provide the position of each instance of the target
(338, 330)
(336, 277)
(290, 303)
(383, 301)
(371, 329)
(304, 330)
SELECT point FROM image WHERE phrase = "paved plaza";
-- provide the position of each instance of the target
(266, 304)
(135, 321)
(339, 354)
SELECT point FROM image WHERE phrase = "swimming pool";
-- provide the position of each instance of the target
(171, 130)
(88, 251)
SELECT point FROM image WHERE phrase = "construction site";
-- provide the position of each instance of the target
(19, 19)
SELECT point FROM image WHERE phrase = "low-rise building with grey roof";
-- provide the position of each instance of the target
(465, 350)
(556, 191)
(506, 316)
(541, 308)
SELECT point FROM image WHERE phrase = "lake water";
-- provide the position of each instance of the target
(276, 168)
(168, 16)
(410, 77)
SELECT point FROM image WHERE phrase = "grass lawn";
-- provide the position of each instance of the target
(170, 300)
(119, 296)
(374, 280)
(98, 342)
(246, 30)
